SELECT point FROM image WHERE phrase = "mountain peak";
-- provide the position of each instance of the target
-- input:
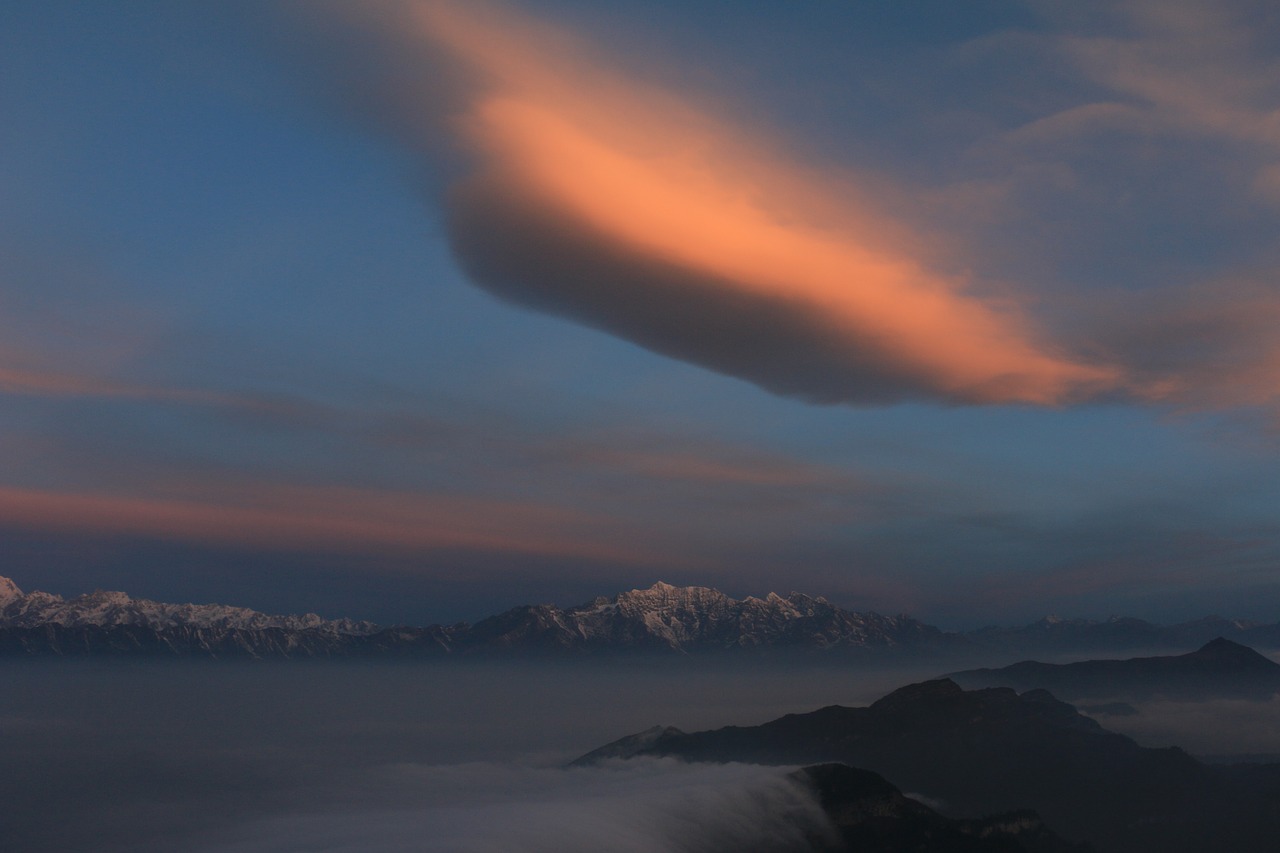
(662, 589)
(664, 593)
(1219, 668)
(1222, 644)
(106, 596)
(1222, 649)
(629, 746)
(8, 590)
(987, 751)
(922, 692)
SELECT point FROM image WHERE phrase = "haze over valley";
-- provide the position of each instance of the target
(129, 741)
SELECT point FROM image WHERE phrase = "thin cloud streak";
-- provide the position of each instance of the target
(346, 520)
(1177, 132)
(28, 383)
(45, 384)
(633, 210)
(1211, 345)
(1194, 65)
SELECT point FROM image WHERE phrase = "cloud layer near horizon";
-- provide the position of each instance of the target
(629, 807)
(639, 212)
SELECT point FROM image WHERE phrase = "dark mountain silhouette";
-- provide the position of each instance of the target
(872, 816)
(1054, 636)
(1220, 668)
(990, 751)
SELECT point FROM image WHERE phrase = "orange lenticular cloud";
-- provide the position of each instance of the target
(632, 210)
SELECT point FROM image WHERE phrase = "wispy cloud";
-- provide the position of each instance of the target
(41, 384)
(634, 807)
(1191, 65)
(1154, 174)
(1210, 344)
(33, 383)
(1204, 69)
(346, 520)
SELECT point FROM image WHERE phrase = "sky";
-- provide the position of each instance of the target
(415, 311)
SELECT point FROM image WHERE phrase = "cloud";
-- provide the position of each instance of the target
(1191, 83)
(347, 520)
(1218, 727)
(1141, 200)
(42, 384)
(30, 383)
(633, 807)
(640, 212)
(480, 484)
(383, 758)
(1192, 65)
(1211, 344)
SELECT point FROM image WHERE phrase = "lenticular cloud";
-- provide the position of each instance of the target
(633, 210)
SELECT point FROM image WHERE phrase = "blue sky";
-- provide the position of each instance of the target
(346, 308)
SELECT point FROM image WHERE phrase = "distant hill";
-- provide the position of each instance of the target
(1219, 669)
(989, 751)
(1053, 636)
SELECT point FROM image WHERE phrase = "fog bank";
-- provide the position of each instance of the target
(123, 756)
(643, 806)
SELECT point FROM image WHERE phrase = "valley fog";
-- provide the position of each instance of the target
(210, 756)
(111, 755)
(1218, 730)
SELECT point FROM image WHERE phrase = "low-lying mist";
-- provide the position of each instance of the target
(125, 756)
(1214, 729)
(642, 806)
(247, 757)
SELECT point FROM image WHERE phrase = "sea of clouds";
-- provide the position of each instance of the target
(345, 758)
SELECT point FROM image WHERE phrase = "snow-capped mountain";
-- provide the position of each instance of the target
(109, 609)
(662, 618)
(112, 622)
(693, 619)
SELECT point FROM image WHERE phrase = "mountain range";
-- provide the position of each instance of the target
(662, 619)
(1054, 635)
(989, 751)
(1220, 669)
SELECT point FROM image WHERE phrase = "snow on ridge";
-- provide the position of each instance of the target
(685, 618)
(102, 608)
(662, 617)
(8, 591)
